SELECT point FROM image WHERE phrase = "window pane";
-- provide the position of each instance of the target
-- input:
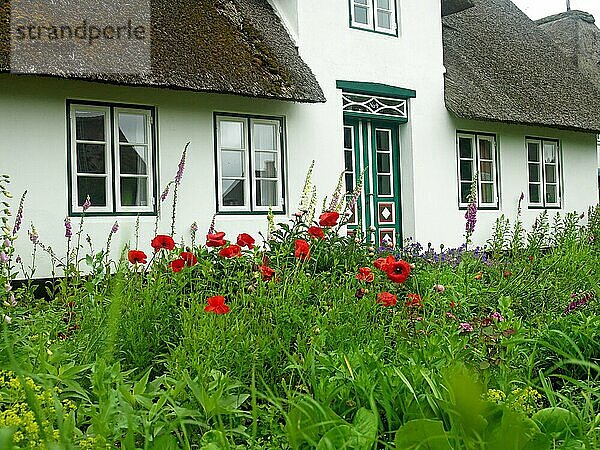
(383, 163)
(485, 149)
(91, 158)
(266, 193)
(134, 159)
(232, 134)
(348, 137)
(384, 20)
(487, 193)
(465, 190)
(533, 152)
(550, 173)
(232, 164)
(89, 126)
(534, 173)
(487, 173)
(265, 165)
(551, 193)
(362, 2)
(349, 182)
(348, 161)
(384, 185)
(233, 193)
(466, 170)
(535, 193)
(361, 15)
(134, 191)
(264, 136)
(465, 149)
(383, 140)
(550, 153)
(95, 187)
(384, 4)
(132, 128)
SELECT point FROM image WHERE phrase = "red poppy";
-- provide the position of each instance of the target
(507, 273)
(329, 219)
(397, 271)
(267, 273)
(177, 264)
(189, 258)
(245, 240)
(302, 249)
(230, 251)
(365, 274)
(316, 232)
(217, 305)
(163, 242)
(381, 263)
(413, 300)
(215, 240)
(137, 257)
(387, 299)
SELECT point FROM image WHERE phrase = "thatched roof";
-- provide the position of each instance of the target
(579, 37)
(454, 6)
(501, 67)
(226, 46)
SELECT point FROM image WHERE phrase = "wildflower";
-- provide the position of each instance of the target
(33, 236)
(245, 240)
(230, 251)
(387, 299)
(163, 241)
(413, 300)
(365, 274)
(189, 258)
(217, 305)
(136, 257)
(452, 304)
(7, 319)
(177, 264)
(266, 272)
(465, 327)
(471, 217)
(479, 276)
(381, 263)
(215, 239)
(360, 293)
(86, 205)
(301, 249)
(68, 228)
(3, 257)
(316, 232)
(194, 227)
(19, 216)
(7, 287)
(496, 315)
(439, 288)
(7, 243)
(18, 259)
(12, 301)
(397, 271)
(450, 315)
(181, 167)
(507, 273)
(329, 219)
(114, 228)
(164, 194)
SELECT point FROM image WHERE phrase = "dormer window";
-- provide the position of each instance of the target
(374, 15)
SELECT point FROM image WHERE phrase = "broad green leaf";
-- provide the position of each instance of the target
(340, 438)
(422, 434)
(558, 423)
(308, 421)
(516, 432)
(165, 442)
(365, 425)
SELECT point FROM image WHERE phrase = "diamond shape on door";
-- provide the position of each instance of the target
(386, 213)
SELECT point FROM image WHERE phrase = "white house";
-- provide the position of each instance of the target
(419, 95)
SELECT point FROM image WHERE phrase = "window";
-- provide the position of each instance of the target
(111, 158)
(477, 157)
(249, 164)
(374, 15)
(543, 171)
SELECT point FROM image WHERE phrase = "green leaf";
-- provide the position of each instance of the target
(558, 423)
(165, 442)
(365, 425)
(339, 438)
(422, 434)
(308, 421)
(516, 432)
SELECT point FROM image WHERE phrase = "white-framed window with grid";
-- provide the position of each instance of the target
(374, 15)
(250, 164)
(111, 158)
(477, 157)
(543, 171)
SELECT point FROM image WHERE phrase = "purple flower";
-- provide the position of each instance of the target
(7, 243)
(497, 316)
(194, 227)
(19, 217)
(3, 257)
(211, 228)
(68, 228)
(86, 205)
(33, 236)
(11, 300)
(114, 228)
(164, 194)
(181, 167)
(18, 260)
(471, 217)
(465, 327)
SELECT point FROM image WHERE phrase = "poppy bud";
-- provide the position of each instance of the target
(372, 228)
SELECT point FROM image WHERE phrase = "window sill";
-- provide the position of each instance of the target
(249, 213)
(113, 214)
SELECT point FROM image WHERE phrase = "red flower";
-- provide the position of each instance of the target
(365, 274)
(413, 300)
(215, 240)
(137, 257)
(267, 273)
(387, 299)
(381, 263)
(316, 232)
(189, 258)
(217, 305)
(302, 249)
(230, 251)
(163, 242)
(507, 274)
(245, 240)
(397, 271)
(329, 219)
(177, 264)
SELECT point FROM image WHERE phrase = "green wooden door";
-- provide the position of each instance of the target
(372, 147)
